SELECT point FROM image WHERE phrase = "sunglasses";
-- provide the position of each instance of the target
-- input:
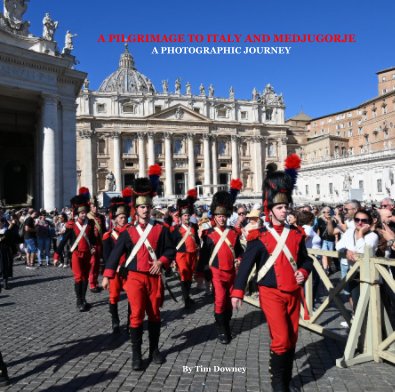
(363, 220)
(386, 205)
(241, 213)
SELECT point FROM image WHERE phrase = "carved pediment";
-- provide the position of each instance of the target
(178, 113)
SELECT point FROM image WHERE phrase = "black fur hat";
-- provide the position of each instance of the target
(222, 203)
(118, 206)
(279, 185)
(184, 206)
(79, 203)
(142, 192)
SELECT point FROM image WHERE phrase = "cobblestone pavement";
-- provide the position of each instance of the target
(49, 346)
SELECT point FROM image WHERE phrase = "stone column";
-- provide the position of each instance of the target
(191, 163)
(207, 168)
(214, 162)
(168, 166)
(235, 157)
(151, 149)
(86, 162)
(49, 159)
(116, 140)
(258, 163)
(141, 152)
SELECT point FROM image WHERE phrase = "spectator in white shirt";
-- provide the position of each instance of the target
(352, 242)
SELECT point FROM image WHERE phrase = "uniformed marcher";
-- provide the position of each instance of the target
(186, 239)
(81, 233)
(119, 213)
(279, 254)
(221, 249)
(100, 229)
(148, 246)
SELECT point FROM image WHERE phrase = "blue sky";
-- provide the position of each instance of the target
(318, 78)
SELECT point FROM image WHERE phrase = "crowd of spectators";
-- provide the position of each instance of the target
(32, 236)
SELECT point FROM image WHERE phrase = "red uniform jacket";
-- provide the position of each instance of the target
(281, 275)
(192, 243)
(109, 240)
(160, 240)
(72, 232)
(224, 260)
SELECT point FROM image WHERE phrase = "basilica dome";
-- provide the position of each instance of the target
(126, 79)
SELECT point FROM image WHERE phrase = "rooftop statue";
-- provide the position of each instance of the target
(178, 86)
(13, 13)
(188, 88)
(49, 27)
(211, 91)
(165, 86)
(68, 42)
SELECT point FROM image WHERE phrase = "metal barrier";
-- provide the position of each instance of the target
(365, 341)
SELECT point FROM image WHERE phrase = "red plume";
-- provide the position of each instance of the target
(83, 190)
(236, 184)
(192, 193)
(292, 162)
(154, 170)
(127, 192)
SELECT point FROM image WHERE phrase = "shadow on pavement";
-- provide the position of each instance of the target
(79, 383)
(69, 351)
(316, 362)
(29, 281)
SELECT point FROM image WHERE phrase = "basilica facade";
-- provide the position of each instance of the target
(200, 140)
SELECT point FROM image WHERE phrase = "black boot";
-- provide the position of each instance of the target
(136, 337)
(4, 380)
(128, 320)
(288, 368)
(77, 289)
(277, 370)
(228, 317)
(6, 284)
(114, 318)
(189, 284)
(154, 333)
(185, 296)
(84, 305)
(221, 329)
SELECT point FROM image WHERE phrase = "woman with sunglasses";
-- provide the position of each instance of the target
(352, 242)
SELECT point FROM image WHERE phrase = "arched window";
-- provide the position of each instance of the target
(244, 149)
(158, 149)
(271, 150)
(197, 148)
(221, 147)
(128, 146)
(101, 146)
(178, 146)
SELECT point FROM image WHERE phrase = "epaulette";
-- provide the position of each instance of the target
(206, 231)
(253, 234)
(106, 235)
(69, 225)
